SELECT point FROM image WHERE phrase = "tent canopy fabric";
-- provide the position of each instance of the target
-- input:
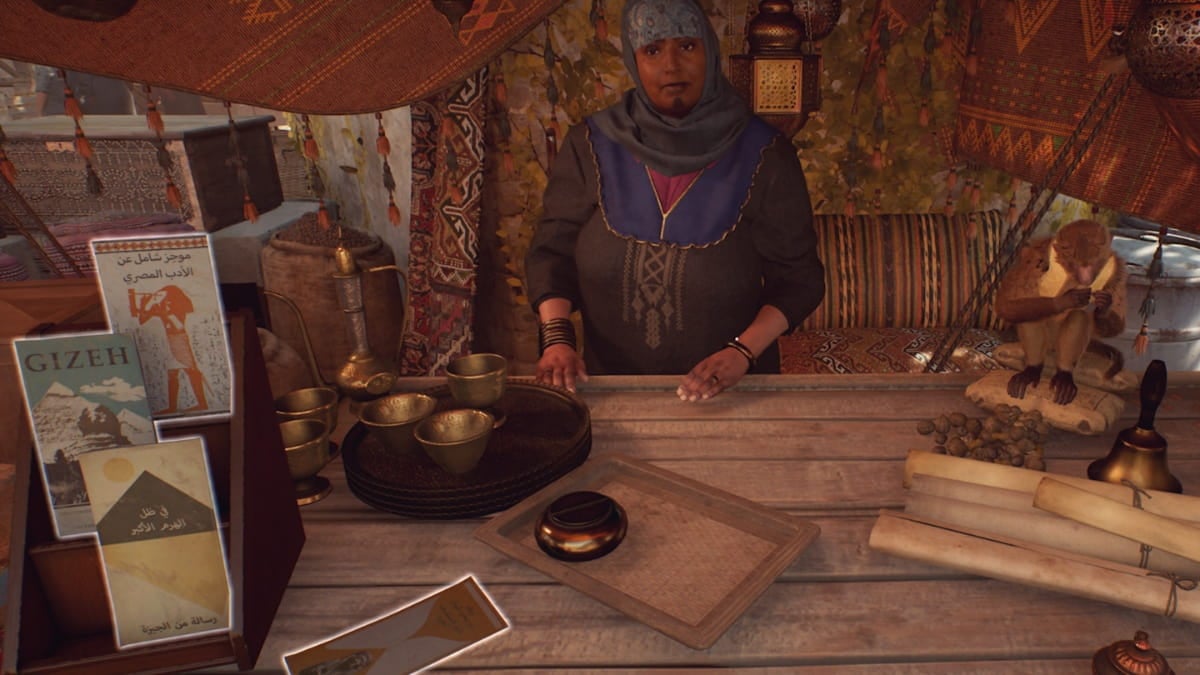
(1038, 74)
(306, 56)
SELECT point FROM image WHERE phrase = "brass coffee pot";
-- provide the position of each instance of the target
(364, 375)
(1139, 454)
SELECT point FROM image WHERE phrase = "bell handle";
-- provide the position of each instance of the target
(1154, 388)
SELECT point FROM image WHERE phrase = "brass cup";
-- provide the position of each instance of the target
(393, 418)
(455, 439)
(477, 380)
(306, 442)
(318, 403)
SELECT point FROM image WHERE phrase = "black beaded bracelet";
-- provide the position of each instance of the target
(742, 349)
(556, 332)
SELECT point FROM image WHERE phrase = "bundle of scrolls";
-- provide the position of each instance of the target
(1134, 548)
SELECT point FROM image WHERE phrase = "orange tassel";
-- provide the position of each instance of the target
(323, 216)
(1012, 212)
(924, 117)
(393, 211)
(951, 179)
(173, 196)
(972, 64)
(81, 144)
(850, 209)
(1142, 341)
(601, 29)
(949, 208)
(1010, 12)
(311, 151)
(154, 119)
(7, 168)
(249, 210)
(877, 159)
(976, 194)
(972, 228)
(382, 144)
(500, 91)
(71, 105)
(947, 44)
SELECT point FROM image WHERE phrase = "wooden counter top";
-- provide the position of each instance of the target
(829, 449)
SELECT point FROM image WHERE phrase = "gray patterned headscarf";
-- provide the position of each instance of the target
(666, 144)
(661, 19)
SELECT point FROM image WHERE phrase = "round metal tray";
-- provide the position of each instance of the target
(465, 507)
(547, 432)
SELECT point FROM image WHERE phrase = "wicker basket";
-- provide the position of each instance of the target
(298, 264)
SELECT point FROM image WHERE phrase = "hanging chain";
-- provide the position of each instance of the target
(1061, 168)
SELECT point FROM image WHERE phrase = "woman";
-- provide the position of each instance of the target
(677, 222)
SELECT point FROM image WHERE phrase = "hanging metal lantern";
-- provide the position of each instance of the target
(88, 10)
(780, 76)
(454, 11)
(1163, 48)
(819, 17)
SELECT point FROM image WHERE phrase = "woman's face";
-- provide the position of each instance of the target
(672, 73)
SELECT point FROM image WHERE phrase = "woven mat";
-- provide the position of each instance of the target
(882, 350)
(1037, 74)
(317, 56)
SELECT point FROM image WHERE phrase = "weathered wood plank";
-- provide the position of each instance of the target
(825, 404)
(829, 449)
(997, 667)
(406, 552)
(820, 485)
(825, 439)
(792, 623)
(1003, 667)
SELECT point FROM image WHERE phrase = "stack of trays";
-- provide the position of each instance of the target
(546, 433)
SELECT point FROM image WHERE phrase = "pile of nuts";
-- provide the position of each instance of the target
(1008, 436)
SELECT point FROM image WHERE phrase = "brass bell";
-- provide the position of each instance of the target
(1130, 657)
(1139, 454)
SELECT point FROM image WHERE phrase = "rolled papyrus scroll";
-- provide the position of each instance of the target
(1127, 521)
(1047, 530)
(1169, 504)
(961, 490)
(1020, 562)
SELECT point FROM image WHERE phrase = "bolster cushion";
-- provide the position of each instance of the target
(904, 270)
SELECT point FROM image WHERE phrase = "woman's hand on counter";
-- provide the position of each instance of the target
(561, 366)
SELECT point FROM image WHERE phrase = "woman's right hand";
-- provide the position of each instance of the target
(561, 366)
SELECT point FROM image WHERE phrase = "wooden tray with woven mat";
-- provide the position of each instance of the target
(693, 559)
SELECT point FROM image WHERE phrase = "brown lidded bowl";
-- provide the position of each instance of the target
(456, 439)
(580, 526)
(306, 442)
(393, 418)
(477, 380)
(320, 403)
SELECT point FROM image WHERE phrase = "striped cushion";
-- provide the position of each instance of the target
(903, 271)
(11, 269)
